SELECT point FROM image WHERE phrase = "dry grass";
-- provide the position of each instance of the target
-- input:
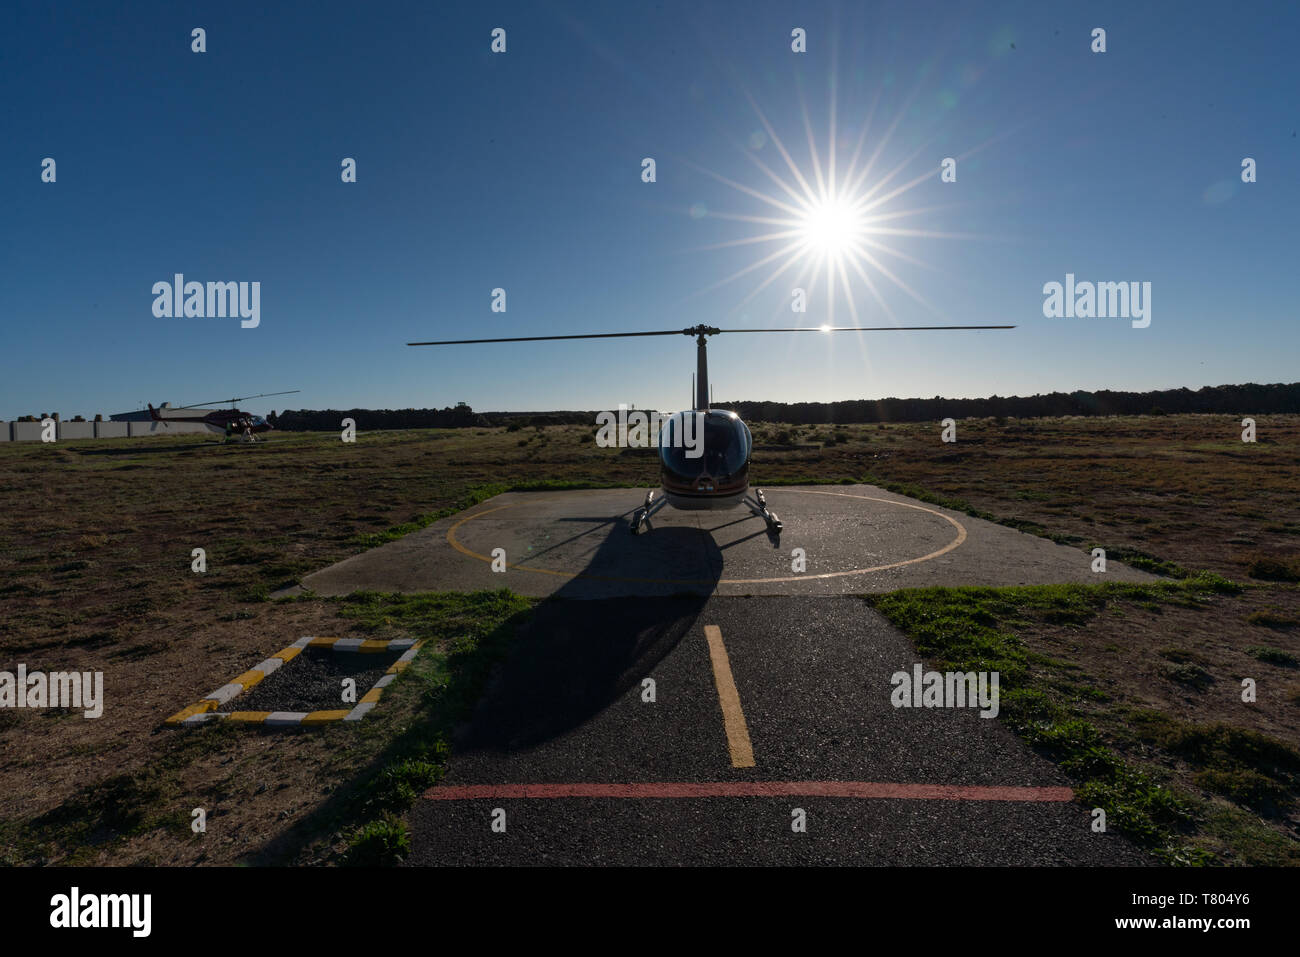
(95, 552)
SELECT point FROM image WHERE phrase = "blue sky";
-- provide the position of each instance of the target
(522, 171)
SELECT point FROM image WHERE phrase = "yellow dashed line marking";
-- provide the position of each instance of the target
(321, 717)
(733, 716)
(255, 717)
(201, 707)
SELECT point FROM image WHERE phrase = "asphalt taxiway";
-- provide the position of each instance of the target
(575, 764)
(708, 692)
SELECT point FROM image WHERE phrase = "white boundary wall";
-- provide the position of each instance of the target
(27, 432)
(76, 430)
(70, 431)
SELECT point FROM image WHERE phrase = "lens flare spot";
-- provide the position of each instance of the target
(1219, 193)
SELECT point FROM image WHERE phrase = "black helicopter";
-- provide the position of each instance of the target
(704, 453)
(230, 422)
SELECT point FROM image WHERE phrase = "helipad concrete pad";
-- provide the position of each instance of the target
(854, 539)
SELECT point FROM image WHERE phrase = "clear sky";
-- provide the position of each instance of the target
(523, 170)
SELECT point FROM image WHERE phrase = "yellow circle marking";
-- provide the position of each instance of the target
(961, 537)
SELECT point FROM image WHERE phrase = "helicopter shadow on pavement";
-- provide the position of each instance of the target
(762, 529)
(661, 559)
(577, 654)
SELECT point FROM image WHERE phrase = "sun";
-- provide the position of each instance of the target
(832, 226)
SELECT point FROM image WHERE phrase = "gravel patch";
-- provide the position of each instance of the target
(313, 681)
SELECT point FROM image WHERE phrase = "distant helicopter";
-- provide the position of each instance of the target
(229, 422)
(719, 477)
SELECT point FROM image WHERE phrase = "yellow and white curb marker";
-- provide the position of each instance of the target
(206, 708)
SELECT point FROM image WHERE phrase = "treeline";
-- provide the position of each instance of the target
(329, 420)
(1249, 399)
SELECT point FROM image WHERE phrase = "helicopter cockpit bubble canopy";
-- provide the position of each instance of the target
(715, 443)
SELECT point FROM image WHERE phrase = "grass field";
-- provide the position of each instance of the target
(1137, 693)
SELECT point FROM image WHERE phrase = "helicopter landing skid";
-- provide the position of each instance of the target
(758, 505)
(642, 516)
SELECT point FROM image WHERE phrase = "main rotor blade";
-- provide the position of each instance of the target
(588, 335)
(708, 331)
(862, 328)
(260, 395)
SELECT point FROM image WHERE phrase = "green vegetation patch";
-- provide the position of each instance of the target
(1274, 656)
(1249, 767)
(1135, 558)
(468, 635)
(1274, 569)
(1272, 618)
(973, 629)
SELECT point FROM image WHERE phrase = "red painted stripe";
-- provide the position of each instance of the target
(706, 789)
